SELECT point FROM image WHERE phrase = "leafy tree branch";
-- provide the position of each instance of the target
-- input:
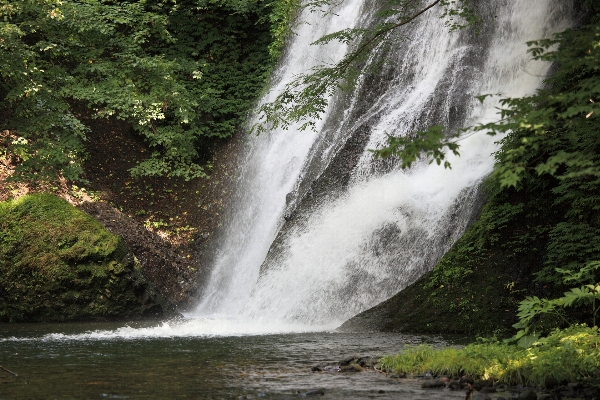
(306, 97)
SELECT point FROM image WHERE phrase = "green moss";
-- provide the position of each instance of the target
(59, 264)
(568, 355)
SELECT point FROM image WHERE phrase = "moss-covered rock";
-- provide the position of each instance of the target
(59, 264)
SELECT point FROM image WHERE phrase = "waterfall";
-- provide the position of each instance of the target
(304, 245)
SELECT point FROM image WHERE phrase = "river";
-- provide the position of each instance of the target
(159, 360)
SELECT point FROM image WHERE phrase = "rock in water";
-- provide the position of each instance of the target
(480, 396)
(433, 383)
(351, 368)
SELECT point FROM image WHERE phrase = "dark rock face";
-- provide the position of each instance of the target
(161, 264)
(59, 264)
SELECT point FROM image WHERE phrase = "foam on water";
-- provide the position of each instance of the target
(274, 161)
(180, 328)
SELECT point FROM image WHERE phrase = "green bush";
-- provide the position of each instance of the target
(183, 74)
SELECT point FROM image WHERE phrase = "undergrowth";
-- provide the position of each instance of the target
(567, 355)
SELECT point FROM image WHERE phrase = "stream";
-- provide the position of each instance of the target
(142, 361)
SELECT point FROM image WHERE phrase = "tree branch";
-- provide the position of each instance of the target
(362, 47)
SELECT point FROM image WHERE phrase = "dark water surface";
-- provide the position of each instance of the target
(62, 361)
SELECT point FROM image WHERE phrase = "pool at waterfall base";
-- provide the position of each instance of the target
(163, 360)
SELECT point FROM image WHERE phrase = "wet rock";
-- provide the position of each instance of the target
(501, 388)
(316, 368)
(367, 362)
(349, 360)
(560, 391)
(488, 389)
(455, 385)
(480, 396)
(351, 368)
(551, 382)
(381, 391)
(528, 395)
(480, 384)
(364, 362)
(466, 380)
(574, 386)
(591, 392)
(433, 383)
(314, 393)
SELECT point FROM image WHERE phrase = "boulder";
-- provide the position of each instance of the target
(59, 264)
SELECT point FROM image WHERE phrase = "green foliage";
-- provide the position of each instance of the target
(566, 355)
(305, 98)
(281, 18)
(541, 216)
(429, 143)
(532, 307)
(180, 73)
(559, 122)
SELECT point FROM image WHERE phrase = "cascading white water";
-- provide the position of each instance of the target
(272, 166)
(389, 226)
